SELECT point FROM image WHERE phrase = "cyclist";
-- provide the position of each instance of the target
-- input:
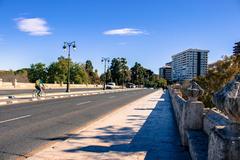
(39, 85)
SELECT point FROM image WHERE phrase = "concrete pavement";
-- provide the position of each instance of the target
(143, 129)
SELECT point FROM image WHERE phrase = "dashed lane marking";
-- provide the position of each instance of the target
(83, 103)
(13, 119)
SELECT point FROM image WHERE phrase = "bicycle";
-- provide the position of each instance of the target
(41, 94)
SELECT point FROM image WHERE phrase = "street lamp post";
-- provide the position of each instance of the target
(123, 76)
(65, 46)
(105, 60)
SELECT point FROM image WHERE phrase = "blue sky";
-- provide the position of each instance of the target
(146, 31)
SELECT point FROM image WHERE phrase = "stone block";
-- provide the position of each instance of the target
(212, 119)
(198, 144)
(227, 99)
(191, 118)
(224, 143)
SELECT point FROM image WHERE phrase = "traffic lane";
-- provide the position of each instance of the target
(39, 129)
(48, 106)
(59, 109)
(55, 107)
(23, 91)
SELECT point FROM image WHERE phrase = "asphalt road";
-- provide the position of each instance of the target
(26, 127)
(22, 91)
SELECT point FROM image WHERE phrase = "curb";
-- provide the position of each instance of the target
(3, 98)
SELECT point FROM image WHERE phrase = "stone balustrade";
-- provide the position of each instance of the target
(212, 134)
(18, 85)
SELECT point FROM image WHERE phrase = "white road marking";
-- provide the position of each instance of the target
(112, 96)
(83, 103)
(13, 119)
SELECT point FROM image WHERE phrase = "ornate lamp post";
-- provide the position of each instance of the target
(105, 60)
(65, 46)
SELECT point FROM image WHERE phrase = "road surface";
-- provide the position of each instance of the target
(25, 127)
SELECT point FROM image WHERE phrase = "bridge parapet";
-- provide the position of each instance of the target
(224, 141)
(210, 133)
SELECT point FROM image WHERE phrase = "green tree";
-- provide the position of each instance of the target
(96, 77)
(37, 71)
(93, 75)
(89, 66)
(57, 71)
(161, 83)
(78, 74)
(22, 75)
(108, 76)
(119, 71)
(137, 74)
(218, 75)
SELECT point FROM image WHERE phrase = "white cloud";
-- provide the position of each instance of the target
(124, 32)
(33, 26)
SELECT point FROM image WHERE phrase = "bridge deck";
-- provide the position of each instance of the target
(144, 129)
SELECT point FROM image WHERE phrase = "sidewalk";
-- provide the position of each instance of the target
(144, 129)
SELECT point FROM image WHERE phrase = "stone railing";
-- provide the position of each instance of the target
(19, 85)
(212, 134)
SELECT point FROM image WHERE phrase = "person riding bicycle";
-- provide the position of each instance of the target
(39, 85)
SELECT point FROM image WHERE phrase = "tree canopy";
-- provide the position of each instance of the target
(57, 71)
(85, 73)
(37, 71)
(218, 75)
(120, 73)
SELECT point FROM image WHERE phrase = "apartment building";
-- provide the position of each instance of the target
(166, 72)
(236, 48)
(189, 64)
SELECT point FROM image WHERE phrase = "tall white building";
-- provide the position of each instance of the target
(189, 64)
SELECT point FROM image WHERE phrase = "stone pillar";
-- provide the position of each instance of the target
(176, 92)
(177, 89)
(224, 141)
(14, 83)
(192, 114)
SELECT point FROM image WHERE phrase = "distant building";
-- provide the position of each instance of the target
(166, 73)
(169, 64)
(236, 48)
(189, 64)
